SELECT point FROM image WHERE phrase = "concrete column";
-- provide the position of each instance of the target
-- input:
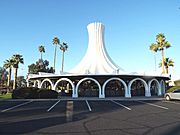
(128, 92)
(39, 84)
(159, 90)
(27, 82)
(74, 93)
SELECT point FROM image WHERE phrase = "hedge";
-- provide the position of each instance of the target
(33, 93)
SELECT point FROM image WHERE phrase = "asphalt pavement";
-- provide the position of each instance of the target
(90, 117)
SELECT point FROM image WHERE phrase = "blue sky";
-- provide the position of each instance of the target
(130, 28)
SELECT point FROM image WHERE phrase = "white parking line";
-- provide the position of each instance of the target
(121, 105)
(88, 106)
(5, 110)
(53, 106)
(162, 107)
(172, 102)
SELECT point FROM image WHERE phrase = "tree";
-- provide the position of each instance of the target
(160, 45)
(167, 63)
(63, 48)
(21, 82)
(40, 66)
(55, 42)
(154, 49)
(8, 65)
(3, 76)
(16, 59)
(41, 49)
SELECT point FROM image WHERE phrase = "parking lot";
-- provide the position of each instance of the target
(90, 117)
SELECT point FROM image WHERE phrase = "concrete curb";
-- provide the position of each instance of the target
(91, 98)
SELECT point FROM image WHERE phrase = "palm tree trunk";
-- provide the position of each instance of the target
(9, 77)
(55, 57)
(62, 61)
(162, 53)
(167, 70)
(41, 55)
(154, 61)
(15, 78)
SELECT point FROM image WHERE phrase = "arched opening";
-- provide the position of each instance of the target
(138, 87)
(35, 84)
(46, 84)
(114, 87)
(88, 87)
(154, 87)
(64, 86)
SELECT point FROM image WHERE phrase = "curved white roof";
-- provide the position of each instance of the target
(96, 60)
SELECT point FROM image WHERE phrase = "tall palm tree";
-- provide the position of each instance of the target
(63, 48)
(41, 49)
(8, 65)
(16, 59)
(168, 63)
(160, 45)
(55, 42)
(154, 49)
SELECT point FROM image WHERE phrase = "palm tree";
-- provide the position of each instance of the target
(41, 49)
(16, 59)
(63, 48)
(8, 65)
(154, 49)
(168, 63)
(160, 45)
(55, 42)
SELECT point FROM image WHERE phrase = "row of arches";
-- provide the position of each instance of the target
(113, 87)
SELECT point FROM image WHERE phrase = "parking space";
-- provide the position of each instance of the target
(89, 117)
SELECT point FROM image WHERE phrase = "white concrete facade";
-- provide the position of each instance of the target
(127, 87)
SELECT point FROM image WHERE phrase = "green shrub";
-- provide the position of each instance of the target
(172, 88)
(46, 94)
(33, 93)
(25, 93)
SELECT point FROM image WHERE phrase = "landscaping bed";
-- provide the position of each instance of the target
(34, 93)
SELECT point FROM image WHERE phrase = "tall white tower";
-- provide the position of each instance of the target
(96, 60)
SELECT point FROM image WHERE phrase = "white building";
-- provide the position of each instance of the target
(98, 75)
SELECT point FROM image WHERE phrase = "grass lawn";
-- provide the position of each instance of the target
(6, 96)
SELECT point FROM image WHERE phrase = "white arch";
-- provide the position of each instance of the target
(84, 79)
(115, 78)
(47, 80)
(68, 80)
(38, 82)
(158, 84)
(162, 84)
(147, 92)
(35, 82)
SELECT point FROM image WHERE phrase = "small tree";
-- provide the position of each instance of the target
(3, 76)
(41, 49)
(8, 65)
(167, 63)
(40, 66)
